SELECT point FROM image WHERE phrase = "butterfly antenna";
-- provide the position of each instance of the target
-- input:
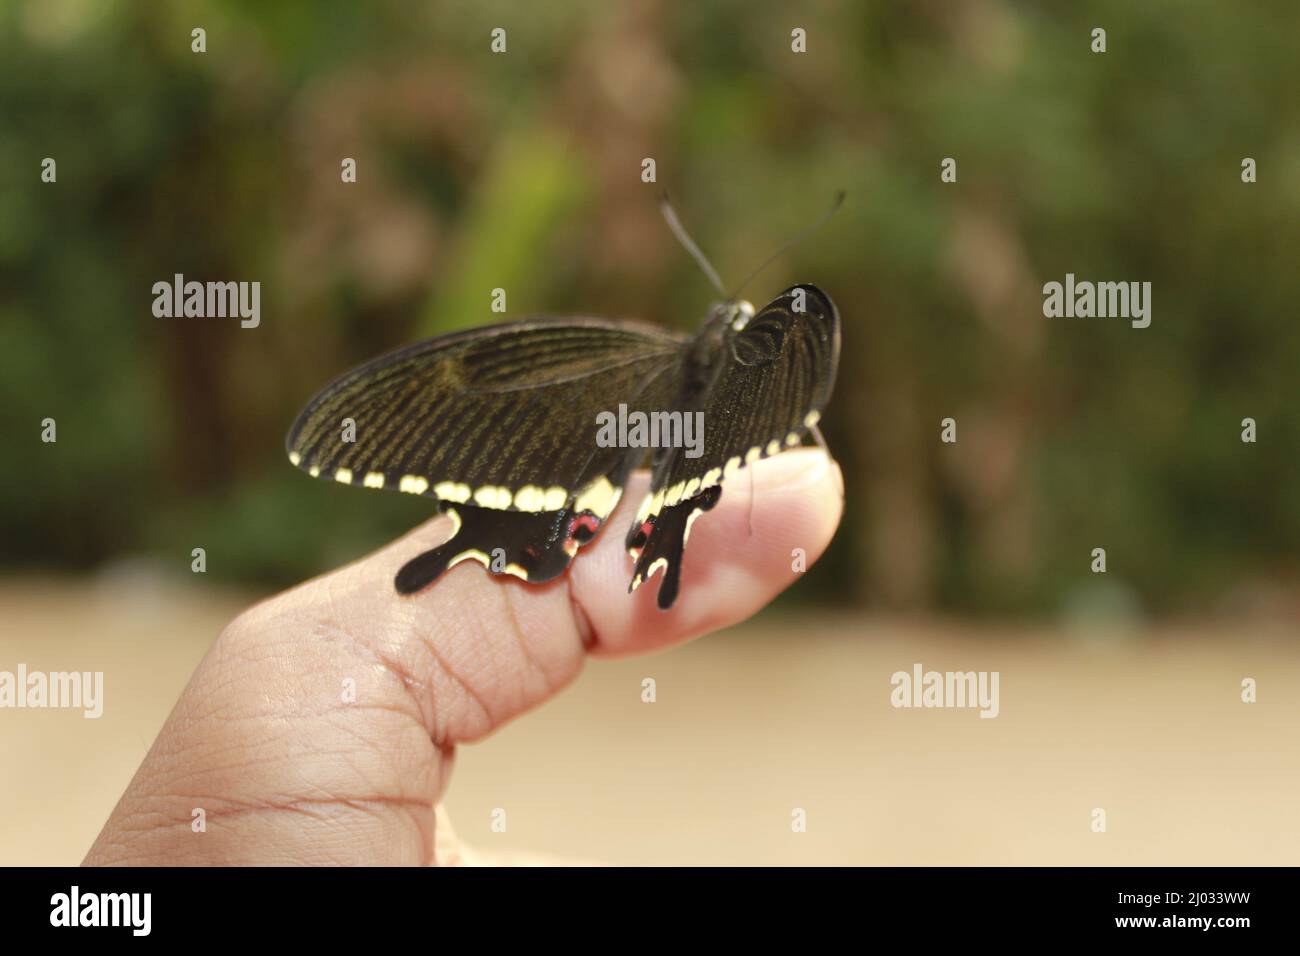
(817, 434)
(675, 224)
(807, 231)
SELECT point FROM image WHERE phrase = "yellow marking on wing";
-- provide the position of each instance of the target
(690, 520)
(643, 511)
(413, 484)
(530, 498)
(452, 491)
(657, 502)
(492, 496)
(675, 493)
(473, 554)
(599, 498)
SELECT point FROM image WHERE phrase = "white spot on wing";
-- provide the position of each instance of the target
(675, 493)
(493, 496)
(530, 498)
(413, 484)
(690, 520)
(452, 491)
(599, 498)
(474, 554)
(650, 506)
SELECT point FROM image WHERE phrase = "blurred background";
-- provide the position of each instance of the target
(522, 170)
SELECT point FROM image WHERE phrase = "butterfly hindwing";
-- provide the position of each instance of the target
(769, 381)
(499, 425)
(535, 547)
(659, 542)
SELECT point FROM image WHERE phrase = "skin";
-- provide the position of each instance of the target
(288, 773)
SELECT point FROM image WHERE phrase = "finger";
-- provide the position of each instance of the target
(738, 558)
(497, 646)
(421, 673)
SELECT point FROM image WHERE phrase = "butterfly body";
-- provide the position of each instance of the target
(500, 425)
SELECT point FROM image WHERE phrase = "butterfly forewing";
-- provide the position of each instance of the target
(508, 407)
(499, 425)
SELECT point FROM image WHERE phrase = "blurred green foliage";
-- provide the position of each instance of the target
(522, 171)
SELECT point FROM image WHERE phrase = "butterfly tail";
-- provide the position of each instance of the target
(659, 542)
(534, 547)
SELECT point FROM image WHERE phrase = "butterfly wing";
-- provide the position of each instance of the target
(773, 377)
(499, 425)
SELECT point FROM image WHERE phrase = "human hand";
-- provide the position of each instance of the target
(287, 770)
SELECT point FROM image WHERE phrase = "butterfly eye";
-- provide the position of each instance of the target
(741, 313)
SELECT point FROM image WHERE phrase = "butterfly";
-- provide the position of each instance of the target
(502, 426)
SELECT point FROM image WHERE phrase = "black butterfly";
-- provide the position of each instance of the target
(500, 425)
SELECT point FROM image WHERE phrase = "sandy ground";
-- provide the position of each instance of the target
(749, 725)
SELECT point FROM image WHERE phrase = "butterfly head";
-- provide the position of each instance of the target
(735, 313)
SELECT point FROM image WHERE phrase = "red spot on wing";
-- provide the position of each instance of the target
(583, 527)
(636, 541)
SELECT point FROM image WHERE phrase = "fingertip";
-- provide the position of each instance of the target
(737, 560)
